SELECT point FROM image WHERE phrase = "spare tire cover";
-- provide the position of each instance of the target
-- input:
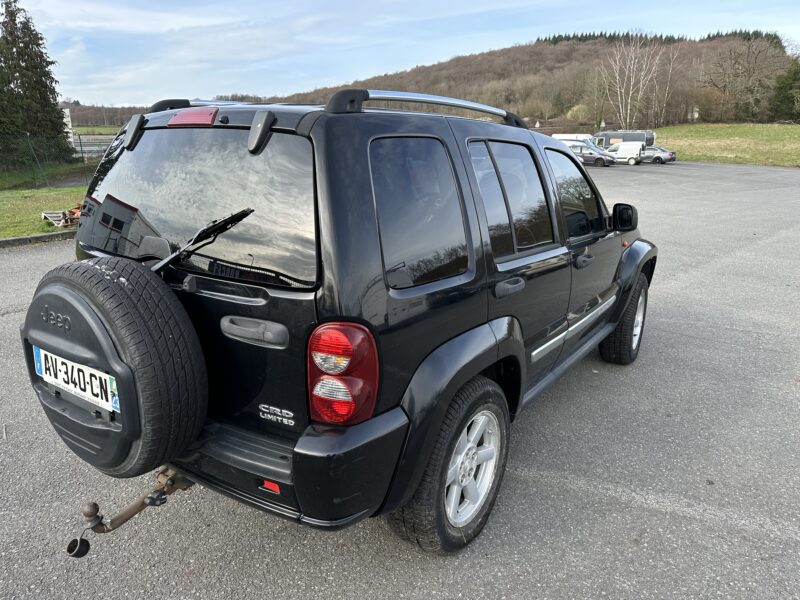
(116, 364)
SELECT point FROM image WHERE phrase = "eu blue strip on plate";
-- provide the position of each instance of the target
(37, 359)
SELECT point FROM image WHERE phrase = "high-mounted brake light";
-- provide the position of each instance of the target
(342, 373)
(193, 117)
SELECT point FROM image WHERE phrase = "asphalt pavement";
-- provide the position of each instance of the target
(676, 477)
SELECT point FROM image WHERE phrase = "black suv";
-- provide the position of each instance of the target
(330, 312)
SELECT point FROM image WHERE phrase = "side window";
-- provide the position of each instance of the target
(493, 201)
(578, 202)
(419, 211)
(524, 195)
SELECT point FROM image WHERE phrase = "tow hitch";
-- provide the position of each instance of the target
(167, 482)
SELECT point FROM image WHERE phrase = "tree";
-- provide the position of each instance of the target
(595, 99)
(663, 85)
(745, 72)
(785, 101)
(27, 86)
(628, 72)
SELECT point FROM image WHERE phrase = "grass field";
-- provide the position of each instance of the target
(756, 144)
(21, 210)
(96, 129)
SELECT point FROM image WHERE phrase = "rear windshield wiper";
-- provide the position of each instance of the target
(205, 235)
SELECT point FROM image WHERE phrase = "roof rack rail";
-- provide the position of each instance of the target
(173, 103)
(350, 100)
(202, 102)
(169, 104)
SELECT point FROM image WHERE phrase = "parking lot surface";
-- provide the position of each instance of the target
(678, 476)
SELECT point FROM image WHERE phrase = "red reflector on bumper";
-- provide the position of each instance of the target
(192, 117)
(271, 486)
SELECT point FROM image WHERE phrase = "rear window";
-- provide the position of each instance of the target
(177, 180)
(419, 211)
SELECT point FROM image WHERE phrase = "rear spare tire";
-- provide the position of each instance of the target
(116, 364)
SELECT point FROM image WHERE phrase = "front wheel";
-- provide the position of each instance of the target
(599, 162)
(622, 345)
(461, 481)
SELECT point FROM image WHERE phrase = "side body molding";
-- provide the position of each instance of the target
(630, 265)
(443, 372)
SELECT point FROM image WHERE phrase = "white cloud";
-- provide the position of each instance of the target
(88, 15)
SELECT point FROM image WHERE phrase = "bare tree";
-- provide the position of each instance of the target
(628, 73)
(663, 84)
(595, 98)
(745, 72)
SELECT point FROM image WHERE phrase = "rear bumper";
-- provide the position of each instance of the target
(330, 477)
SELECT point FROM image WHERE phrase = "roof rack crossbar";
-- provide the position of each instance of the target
(350, 100)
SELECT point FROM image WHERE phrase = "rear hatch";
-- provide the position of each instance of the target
(250, 294)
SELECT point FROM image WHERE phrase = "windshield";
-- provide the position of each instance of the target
(177, 180)
(593, 147)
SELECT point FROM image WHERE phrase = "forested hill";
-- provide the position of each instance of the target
(724, 76)
(561, 76)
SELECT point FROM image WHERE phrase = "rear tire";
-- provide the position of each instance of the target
(442, 516)
(658, 161)
(622, 345)
(631, 161)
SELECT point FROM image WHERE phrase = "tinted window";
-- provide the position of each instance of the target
(419, 211)
(493, 201)
(524, 193)
(177, 180)
(578, 202)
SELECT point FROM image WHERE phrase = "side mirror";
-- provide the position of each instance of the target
(625, 217)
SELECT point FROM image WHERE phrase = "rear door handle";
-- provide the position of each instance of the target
(509, 287)
(255, 331)
(584, 260)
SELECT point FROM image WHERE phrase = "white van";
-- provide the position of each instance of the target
(630, 152)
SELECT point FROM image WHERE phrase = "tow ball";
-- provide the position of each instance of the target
(167, 482)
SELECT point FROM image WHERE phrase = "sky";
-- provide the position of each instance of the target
(137, 51)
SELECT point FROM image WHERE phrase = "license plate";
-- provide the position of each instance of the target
(84, 382)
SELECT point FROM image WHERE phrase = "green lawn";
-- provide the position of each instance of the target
(96, 129)
(757, 144)
(21, 210)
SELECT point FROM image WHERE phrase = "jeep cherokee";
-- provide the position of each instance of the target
(330, 312)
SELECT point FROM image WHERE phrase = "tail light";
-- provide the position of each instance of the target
(342, 373)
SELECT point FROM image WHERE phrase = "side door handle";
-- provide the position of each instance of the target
(509, 287)
(584, 260)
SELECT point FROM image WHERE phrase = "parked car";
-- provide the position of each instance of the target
(389, 290)
(590, 154)
(658, 155)
(629, 152)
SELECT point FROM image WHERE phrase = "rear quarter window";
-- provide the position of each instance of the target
(419, 210)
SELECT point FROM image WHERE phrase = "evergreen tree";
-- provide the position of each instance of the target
(785, 101)
(28, 96)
